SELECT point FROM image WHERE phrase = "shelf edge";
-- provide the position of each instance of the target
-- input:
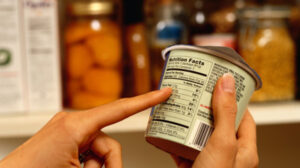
(263, 114)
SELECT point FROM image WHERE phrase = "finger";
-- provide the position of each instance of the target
(93, 162)
(176, 159)
(97, 118)
(247, 155)
(182, 163)
(247, 130)
(224, 106)
(221, 147)
(108, 149)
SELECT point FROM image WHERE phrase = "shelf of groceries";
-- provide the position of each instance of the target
(101, 52)
(267, 113)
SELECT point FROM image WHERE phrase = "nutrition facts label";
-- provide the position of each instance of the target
(187, 77)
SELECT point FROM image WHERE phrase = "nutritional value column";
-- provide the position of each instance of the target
(187, 77)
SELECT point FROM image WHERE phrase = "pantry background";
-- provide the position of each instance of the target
(132, 34)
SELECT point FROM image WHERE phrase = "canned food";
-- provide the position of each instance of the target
(183, 124)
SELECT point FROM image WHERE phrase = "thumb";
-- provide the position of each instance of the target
(224, 105)
(220, 150)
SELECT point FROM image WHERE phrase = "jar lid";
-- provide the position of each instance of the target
(225, 53)
(265, 12)
(82, 7)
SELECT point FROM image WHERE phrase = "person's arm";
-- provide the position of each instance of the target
(226, 148)
(59, 143)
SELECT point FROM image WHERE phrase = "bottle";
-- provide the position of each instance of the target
(198, 23)
(295, 31)
(93, 45)
(169, 28)
(267, 46)
(215, 22)
(137, 50)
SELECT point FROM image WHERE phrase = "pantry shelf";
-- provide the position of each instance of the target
(27, 125)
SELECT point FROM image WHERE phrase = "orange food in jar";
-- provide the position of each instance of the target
(108, 27)
(105, 82)
(79, 60)
(85, 100)
(77, 32)
(106, 49)
(138, 53)
(94, 53)
(73, 86)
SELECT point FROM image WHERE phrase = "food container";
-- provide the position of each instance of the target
(30, 78)
(93, 54)
(138, 78)
(169, 28)
(267, 46)
(183, 123)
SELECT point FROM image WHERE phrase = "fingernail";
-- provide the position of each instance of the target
(228, 83)
(166, 88)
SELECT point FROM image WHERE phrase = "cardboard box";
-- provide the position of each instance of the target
(30, 75)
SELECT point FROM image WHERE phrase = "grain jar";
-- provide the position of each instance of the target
(266, 45)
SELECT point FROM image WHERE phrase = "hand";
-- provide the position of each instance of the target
(225, 148)
(59, 142)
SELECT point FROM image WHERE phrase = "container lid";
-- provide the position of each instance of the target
(82, 7)
(225, 53)
(265, 12)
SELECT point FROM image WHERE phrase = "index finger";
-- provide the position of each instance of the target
(97, 118)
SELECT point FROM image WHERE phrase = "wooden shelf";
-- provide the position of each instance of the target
(27, 125)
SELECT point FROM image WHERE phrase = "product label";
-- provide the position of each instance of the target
(41, 46)
(29, 56)
(169, 34)
(186, 117)
(11, 72)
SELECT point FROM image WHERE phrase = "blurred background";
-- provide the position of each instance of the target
(78, 54)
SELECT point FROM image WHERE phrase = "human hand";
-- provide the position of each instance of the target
(59, 142)
(226, 148)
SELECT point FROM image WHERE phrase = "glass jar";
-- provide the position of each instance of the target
(136, 49)
(294, 21)
(266, 45)
(93, 54)
(168, 28)
(198, 21)
(213, 23)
